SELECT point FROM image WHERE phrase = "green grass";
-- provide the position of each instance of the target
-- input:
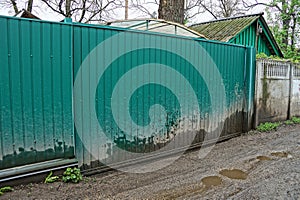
(288, 122)
(268, 126)
(296, 120)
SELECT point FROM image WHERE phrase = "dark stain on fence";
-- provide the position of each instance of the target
(146, 145)
(24, 157)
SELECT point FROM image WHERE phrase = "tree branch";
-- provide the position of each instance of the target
(246, 5)
(14, 4)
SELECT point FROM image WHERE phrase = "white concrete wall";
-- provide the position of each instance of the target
(295, 100)
(277, 93)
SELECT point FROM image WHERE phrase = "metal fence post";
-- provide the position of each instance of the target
(250, 87)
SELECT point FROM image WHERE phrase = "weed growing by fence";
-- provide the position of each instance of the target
(296, 120)
(72, 175)
(268, 126)
(51, 179)
(5, 189)
(288, 122)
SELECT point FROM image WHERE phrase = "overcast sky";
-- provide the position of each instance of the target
(47, 14)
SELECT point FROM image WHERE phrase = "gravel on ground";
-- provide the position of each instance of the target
(253, 166)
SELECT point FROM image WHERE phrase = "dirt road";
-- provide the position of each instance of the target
(253, 166)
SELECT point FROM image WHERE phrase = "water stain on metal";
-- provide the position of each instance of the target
(210, 181)
(262, 158)
(234, 174)
(30, 156)
(230, 126)
(280, 154)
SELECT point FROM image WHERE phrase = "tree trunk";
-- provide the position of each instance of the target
(68, 8)
(286, 19)
(126, 9)
(293, 33)
(285, 37)
(29, 5)
(171, 10)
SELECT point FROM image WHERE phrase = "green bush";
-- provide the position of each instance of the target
(261, 55)
(72, 175)
(268, 126)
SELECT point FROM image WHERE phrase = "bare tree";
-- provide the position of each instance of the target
(84, 10)
(229, 8)
(17, 6)
(144, 7)
(223, 8)
(193, 8)
(149, 8)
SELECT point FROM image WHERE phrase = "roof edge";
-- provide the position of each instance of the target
(162, 21)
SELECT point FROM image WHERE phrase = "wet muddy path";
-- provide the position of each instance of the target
(253, 166)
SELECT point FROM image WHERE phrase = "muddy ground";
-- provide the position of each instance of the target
(253, 166)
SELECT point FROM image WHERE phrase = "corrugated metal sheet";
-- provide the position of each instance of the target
(139, 69)
(35, 92)
(248, 37)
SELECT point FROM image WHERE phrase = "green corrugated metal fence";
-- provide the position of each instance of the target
(121, 75)
(136, 93)
(36, 122)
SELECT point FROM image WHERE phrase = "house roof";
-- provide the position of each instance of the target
(227, 28)
(157, 25)
(26, 14)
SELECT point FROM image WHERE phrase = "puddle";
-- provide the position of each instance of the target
(210, 181)
(280, 154)
(234, 174)
(263, 158)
